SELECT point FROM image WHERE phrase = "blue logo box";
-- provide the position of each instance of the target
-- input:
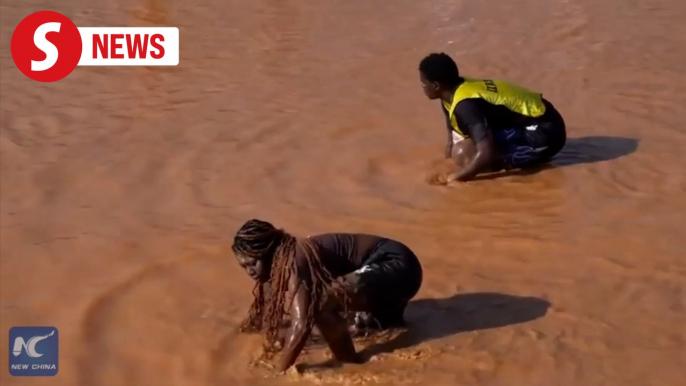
(34, 351)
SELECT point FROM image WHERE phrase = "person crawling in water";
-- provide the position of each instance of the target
(492, 125)
(317, 281)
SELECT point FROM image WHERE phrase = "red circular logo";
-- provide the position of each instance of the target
(46, 46)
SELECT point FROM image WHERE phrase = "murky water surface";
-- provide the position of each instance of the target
(121, 189)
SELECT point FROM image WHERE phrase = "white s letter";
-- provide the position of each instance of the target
(44, 45)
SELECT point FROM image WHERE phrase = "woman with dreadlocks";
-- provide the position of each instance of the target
(317, 280)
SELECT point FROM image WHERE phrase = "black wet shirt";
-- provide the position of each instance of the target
(343, 253)
(475, 117)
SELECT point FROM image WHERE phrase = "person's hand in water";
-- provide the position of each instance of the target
(436, 178)
(365, 324)
(452, 179)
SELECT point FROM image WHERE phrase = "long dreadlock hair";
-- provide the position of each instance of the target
(260, 240)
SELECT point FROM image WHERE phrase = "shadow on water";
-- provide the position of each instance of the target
(577, 151)
(432, 319)
(594, 149)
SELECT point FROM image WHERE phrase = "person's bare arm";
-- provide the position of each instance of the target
(476, 124)
(449, 141)
(332, 327)
(482, 160)
(449, 146)
(334, 330)
(299, 330)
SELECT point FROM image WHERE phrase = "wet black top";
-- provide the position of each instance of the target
(343, 253)
(476, 116)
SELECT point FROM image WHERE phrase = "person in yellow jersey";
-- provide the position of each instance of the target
(492, 124)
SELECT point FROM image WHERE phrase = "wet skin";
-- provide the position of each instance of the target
(331, 325)
(471, 158)
(254, 267)
(464, 151)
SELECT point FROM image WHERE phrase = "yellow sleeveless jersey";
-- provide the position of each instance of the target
(496, 92)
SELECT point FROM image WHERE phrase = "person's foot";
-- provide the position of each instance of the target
(365, 324)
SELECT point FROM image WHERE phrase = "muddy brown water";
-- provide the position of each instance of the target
(121, 189)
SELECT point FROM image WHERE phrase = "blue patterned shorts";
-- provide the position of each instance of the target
(529, 146)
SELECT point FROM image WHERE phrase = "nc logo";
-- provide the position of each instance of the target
(30, 345)
(33, 351)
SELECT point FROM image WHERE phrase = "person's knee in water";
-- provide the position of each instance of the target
(391, 275)
(479, 111)
(312, 272)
